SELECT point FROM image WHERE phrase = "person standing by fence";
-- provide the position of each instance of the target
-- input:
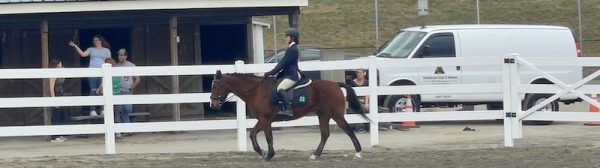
(116, 81)
(360, 81)
(55, 86)
(127, 85)
(98, 55)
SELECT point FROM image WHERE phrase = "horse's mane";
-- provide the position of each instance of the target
(244, 75)
(249, 76)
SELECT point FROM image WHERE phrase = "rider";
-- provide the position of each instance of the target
(287, 69)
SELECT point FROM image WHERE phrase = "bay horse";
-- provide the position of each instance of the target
(325, 98)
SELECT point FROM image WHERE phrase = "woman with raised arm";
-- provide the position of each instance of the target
(98, 55)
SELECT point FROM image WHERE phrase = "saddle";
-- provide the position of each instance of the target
(297, 94)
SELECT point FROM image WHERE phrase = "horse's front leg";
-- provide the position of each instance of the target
(269, 136)
(259, 126)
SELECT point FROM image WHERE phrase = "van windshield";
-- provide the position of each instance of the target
(401, 44)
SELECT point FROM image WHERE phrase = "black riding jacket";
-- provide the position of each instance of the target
(288, 66)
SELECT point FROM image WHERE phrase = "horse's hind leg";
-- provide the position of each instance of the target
(343, 124)
(324, 126)
(257, 128)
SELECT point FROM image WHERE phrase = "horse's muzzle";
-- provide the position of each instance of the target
(215, 104)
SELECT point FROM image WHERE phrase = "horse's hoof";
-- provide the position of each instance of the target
(268, 158)
(313, 157)
(357, 155)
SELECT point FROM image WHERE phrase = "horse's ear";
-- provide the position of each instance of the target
(218, 75)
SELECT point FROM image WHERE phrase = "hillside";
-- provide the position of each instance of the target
(351, 23)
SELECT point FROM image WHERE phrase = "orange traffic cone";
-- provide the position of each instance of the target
(593, 109)
(408, 107)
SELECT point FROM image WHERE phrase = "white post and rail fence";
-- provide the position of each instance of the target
(511, 88)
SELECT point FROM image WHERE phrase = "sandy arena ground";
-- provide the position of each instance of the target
(435, 144)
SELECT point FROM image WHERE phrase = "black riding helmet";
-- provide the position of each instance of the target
(293, 33)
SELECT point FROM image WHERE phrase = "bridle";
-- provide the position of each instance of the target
(217, 83)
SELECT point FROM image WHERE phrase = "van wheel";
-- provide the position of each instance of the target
(535, 99)
(396, 103)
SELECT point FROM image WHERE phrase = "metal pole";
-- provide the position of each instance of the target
(580, 26)
(376, 26)
(478, 20)
(275, 37)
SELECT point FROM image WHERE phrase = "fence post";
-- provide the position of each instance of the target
(515, 81)
(109, 120)
(373, 109)
(241, 113)
(506, 101)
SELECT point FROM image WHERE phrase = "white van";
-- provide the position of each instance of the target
(444, 41)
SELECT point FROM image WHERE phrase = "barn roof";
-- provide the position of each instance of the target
(8, 7)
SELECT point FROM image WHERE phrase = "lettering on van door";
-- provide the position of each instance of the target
(440, 77)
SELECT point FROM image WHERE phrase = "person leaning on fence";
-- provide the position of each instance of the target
(98, 54)
(127, 85)
(360, 81)
(55, 86)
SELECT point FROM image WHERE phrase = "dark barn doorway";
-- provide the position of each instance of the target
(222, 44)
(1, 53)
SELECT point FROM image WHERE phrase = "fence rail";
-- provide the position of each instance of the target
(511, 88)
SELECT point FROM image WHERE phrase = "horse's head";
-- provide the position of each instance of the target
(218, 94)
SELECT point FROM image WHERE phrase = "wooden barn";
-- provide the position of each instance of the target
(155, 32)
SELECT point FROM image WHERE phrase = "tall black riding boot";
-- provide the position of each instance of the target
(287, 109)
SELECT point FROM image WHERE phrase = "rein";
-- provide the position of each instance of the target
(224, 101)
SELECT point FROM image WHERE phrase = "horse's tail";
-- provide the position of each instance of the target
(353, 102)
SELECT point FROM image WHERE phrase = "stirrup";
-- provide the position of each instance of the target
(284, 111)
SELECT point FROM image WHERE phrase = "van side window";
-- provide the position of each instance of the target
(439, 45)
